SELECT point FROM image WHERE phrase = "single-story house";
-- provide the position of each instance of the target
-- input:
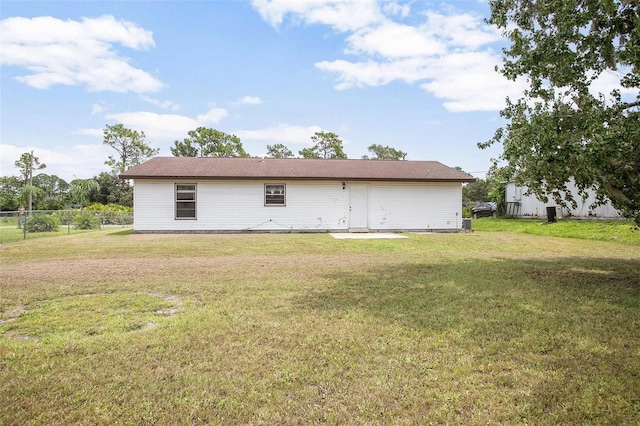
(519, 204)
(187, 194)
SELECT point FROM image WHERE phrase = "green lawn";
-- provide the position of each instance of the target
(623, 231)
(111, 327)
(14, 234)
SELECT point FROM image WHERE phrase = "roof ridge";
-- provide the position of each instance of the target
(295, 168)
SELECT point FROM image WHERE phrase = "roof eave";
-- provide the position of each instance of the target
(310, 178)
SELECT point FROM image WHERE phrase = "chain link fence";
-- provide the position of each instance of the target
(56, 220)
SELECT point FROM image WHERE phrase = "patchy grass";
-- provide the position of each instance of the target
(486, 327)
(14, 234)
(623, 231)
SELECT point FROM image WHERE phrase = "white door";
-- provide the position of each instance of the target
(358, 206)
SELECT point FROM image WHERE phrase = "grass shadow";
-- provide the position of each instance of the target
(124, 232)
(417, 294)
(560, 335)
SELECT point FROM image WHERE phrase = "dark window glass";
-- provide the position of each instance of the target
(274, 195)
(185, 201)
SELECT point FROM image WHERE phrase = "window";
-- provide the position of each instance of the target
(274, 195)
(185, 201)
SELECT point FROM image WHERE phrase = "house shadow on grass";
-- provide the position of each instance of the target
(553, 339)
(441, 296)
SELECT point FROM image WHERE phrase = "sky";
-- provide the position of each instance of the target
(418, 76)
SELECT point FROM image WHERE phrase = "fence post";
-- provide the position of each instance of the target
(20, 214)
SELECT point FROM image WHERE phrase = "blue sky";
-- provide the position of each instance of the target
(417, 75)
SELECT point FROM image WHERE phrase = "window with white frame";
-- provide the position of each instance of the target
(274, 194)
(185, 201)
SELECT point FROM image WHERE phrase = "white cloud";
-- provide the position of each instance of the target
(394, 8)
(76, 53)
(156, 126)
(463, 30)
(250, 100)
(341, 15)
(76, 162)
(448, 53)
(467, 82)
(162, 104)
(283, 133)
(163, 127)
(373, 73)
(608, 81)
(212, 116)
(392, 40)
(97, 108)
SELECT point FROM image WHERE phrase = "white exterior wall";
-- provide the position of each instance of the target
(310, 206)
(415, 206)
(531, 206)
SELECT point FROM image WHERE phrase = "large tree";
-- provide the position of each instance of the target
(54, 192)
(130, 145)
(379, 152)
(83, 191)
(27, 163)
(326, 145)
(279, 151)
(565, 127)
(112, 190)
(205, 142)
(9, 193)
(476, 192)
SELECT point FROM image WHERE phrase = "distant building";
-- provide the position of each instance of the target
(521, 205)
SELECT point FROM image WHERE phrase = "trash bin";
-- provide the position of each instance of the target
(551, 214)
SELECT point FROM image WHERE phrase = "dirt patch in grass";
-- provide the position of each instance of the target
(196, 268)
(88, 315)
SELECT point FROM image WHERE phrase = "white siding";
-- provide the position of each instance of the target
(310, 206)
(239, 206)
(415, 206)
(531, 206)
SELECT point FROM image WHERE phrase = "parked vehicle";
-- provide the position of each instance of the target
(484, 210)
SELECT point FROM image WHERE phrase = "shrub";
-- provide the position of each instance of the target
(40, 222)
(86, 221)
(65, 217)
(113, 214)
(109, 207)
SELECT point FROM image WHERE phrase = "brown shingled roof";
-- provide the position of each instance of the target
(294, 168)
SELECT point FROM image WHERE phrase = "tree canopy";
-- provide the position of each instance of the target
(9, 193)
(326, 145)
(564, 127)
(206, 142)
(27, 163)
(50, 192)
(113, 190)
(131, 146)
(380, 152)
(82, 191)
(279, 151)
